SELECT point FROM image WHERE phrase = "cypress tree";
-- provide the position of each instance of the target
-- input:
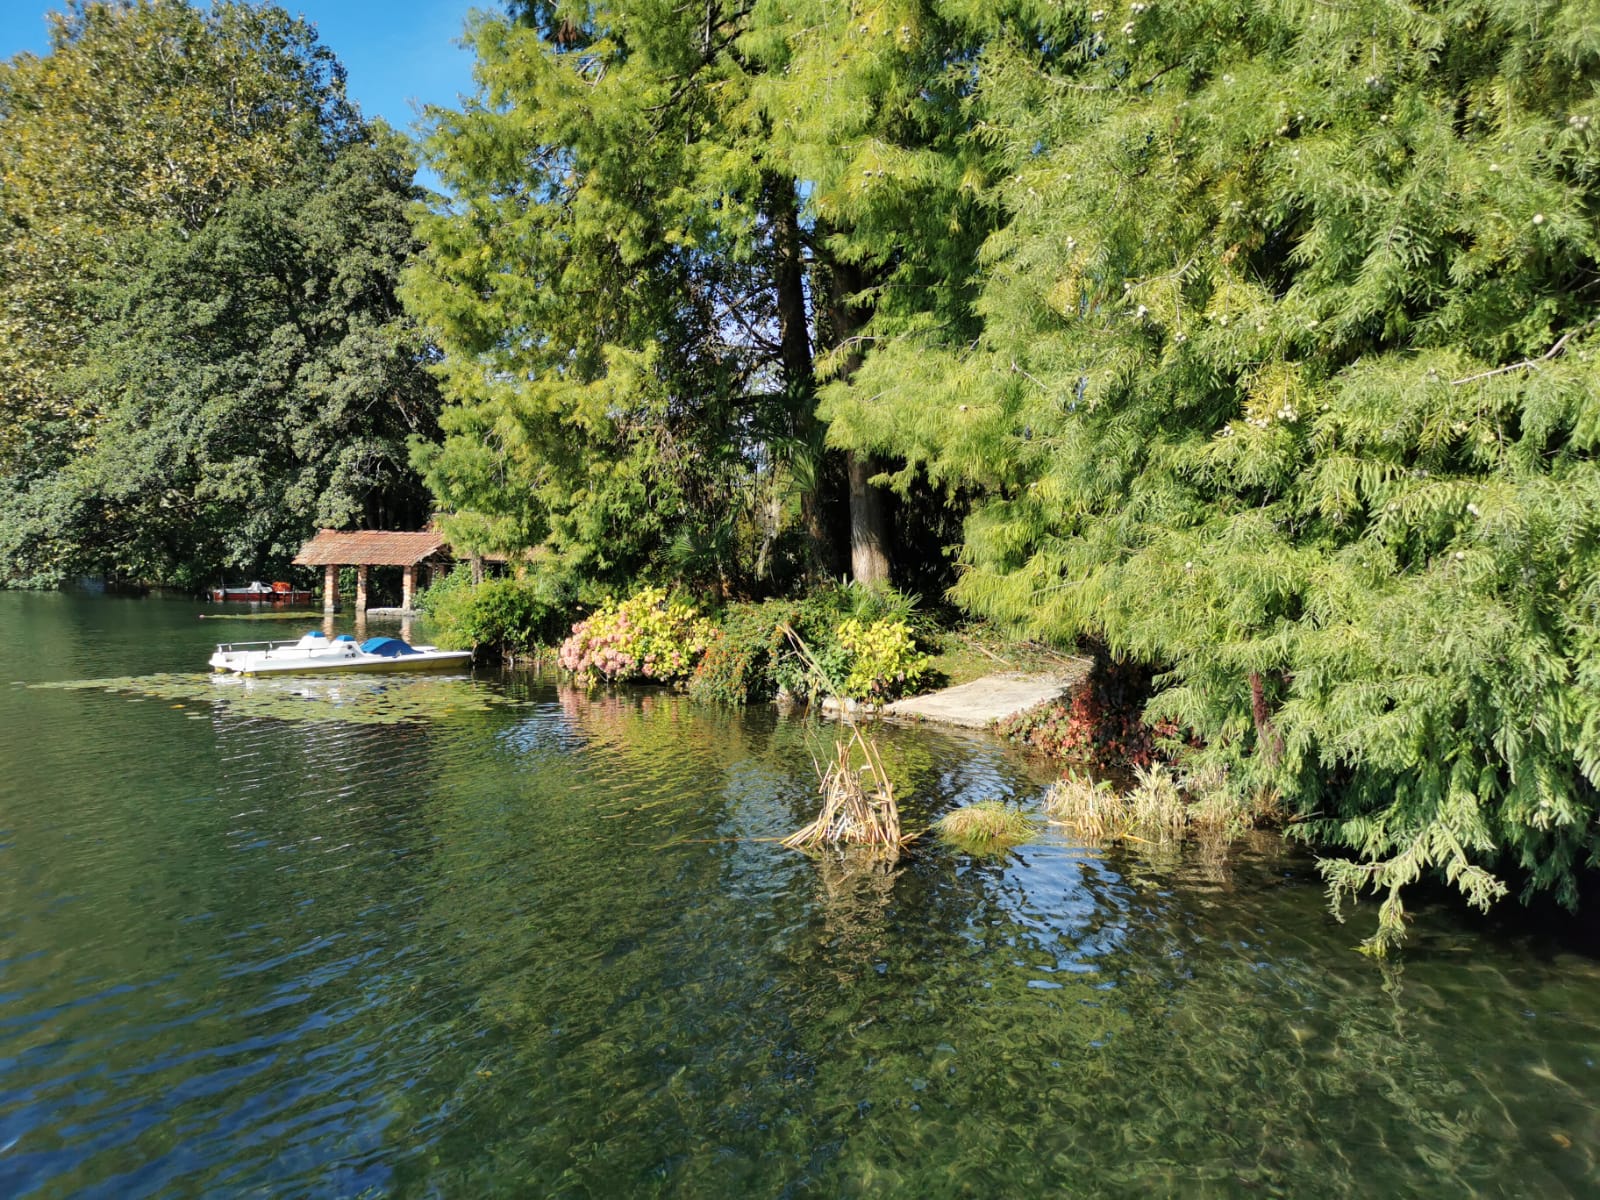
(1286, 384)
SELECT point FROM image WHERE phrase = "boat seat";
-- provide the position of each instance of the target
(386, 647)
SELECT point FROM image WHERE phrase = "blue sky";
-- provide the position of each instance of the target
(396, 51)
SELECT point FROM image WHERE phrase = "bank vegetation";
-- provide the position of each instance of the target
(1250, 345)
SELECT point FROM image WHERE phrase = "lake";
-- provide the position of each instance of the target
(498, 936)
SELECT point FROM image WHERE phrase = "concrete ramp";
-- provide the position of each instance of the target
(982, 702)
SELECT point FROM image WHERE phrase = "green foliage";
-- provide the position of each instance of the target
(648, 636)
(744, 652)
(601, 284)
(141, 116)
(883, 658)
(239, 371)
(985, 827)
(858, 642)
(504, 616)
(1286, 383)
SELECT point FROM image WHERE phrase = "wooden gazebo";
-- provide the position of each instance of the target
(332, 549)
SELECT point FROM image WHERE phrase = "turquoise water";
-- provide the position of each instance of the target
(494, 936)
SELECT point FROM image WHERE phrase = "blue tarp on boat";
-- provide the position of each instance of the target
(386, 647)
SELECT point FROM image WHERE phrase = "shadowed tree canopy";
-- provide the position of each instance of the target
(201, 356)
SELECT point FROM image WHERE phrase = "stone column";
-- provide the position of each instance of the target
(330, 587)
(361, 589)
(408, 585)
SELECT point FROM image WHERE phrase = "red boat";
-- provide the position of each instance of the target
(278, 592)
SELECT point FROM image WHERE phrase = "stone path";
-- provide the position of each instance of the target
(978, 704)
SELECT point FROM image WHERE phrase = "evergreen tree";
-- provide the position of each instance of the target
(1286, 385)
(687, 227)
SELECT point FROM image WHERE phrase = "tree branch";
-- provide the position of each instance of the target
(1529, 363)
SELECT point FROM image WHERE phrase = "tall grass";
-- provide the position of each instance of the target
(985, 827)
(1160, 806)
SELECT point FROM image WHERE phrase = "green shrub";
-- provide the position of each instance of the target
(648, 636)
(859, 642)
(744, 652)
(883, 657)
(504, 616)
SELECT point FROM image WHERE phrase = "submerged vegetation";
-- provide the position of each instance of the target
(348, 699)
(1249, 346)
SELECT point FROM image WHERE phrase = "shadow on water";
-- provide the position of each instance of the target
(524, 939)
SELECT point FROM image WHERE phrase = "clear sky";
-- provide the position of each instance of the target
(400, 54)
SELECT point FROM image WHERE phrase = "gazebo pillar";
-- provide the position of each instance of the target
(361, 588)
(330, 587)
(408, 585)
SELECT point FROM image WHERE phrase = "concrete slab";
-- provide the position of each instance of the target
(982, 702)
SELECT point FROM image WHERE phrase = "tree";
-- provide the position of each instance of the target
(597, 285)
(251, 381)
(1285, 385)
(202, 354)
(660, 229)
(142, 113)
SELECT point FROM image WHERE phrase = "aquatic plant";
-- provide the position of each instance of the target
(1160, 805)
(1091, 806)
(355, 700)
(858, 804)
(985, 827)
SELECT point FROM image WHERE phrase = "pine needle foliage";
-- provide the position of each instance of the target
(1287, 382)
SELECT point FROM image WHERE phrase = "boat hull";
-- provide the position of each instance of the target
(438, 661)
(314, 654)
(242, 596)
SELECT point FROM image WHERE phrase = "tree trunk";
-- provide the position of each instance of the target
(869, 525)
(1268, 741)
(869, 518)
(794, 349)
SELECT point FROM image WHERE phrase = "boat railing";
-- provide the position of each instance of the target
(231, 647)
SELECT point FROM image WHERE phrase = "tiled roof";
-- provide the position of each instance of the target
(372, 547)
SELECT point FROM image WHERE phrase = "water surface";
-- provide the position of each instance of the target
(507, 938)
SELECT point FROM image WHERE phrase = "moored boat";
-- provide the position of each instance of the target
(317, 654)
(277, 592)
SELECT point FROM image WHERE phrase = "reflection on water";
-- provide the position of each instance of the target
(523, 939)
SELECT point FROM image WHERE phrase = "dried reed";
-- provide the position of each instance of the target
(1160, 805)
(858, 805)
(1090, 807)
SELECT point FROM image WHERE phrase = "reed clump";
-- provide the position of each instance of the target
(858, 804)
(985, 827)
(1161, 806)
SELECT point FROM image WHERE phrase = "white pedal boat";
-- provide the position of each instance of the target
(317, 654)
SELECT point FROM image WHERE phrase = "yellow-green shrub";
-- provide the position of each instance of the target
(884, 661)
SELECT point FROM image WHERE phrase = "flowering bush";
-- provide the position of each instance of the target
(883, 657)
(647, 636)
(744, 653)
